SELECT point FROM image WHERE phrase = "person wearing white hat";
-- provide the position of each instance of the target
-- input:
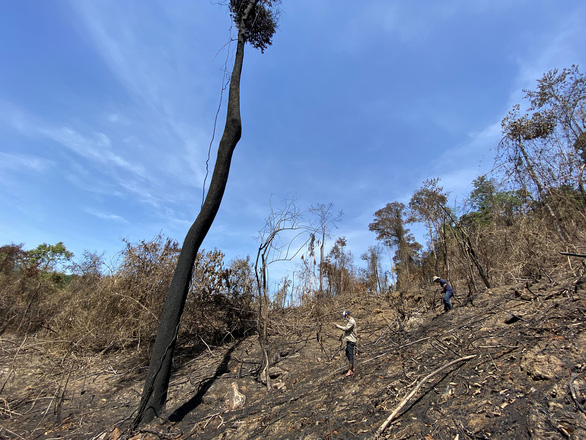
(447, 291)
(350, 336)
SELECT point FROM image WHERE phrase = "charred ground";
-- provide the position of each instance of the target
(527, 378)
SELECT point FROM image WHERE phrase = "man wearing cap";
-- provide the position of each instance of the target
(447, 291)
(350, 338)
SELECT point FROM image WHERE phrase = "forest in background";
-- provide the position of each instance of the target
(512, 228)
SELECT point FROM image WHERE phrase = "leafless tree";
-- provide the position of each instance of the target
(281, 239)
(256, 21)
(326, 219)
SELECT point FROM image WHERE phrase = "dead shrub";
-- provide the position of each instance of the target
(220, 298)
(121, 310)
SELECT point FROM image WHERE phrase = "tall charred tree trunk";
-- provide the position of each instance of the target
(156, 384)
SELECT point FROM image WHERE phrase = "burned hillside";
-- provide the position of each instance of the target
(523, 375)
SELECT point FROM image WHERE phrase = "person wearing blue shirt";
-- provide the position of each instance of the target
(447, 291)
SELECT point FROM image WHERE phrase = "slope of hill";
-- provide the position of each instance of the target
(512, 364)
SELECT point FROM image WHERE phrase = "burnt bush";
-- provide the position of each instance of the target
(107, 308)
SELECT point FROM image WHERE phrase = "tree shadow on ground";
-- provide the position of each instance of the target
(179, 414)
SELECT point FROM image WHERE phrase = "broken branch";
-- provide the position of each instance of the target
(573, 255)
(574, 394)
(412, 393)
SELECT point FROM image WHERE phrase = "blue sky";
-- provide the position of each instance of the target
(107, 110)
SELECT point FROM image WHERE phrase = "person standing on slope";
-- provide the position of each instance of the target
(350, 337)
(447, 291)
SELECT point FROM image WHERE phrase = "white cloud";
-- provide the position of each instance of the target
(96, 147)
(556, 48)
(101, 166)
(157, 65)
(106, 216)
(16, 162)
(457, 167)
(417, 21)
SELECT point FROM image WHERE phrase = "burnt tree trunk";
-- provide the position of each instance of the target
(156, 384)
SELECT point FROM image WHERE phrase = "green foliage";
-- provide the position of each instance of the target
(490, 204)
(47, 257)
(428, 203)
(373, 276)
(389, 224)
(483, 195)
(338, 268)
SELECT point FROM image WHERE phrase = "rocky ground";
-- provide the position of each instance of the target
(509, 365)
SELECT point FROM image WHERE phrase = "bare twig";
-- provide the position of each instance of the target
(12, 368)
(398, 348)
(6, 410)
(208, 347)
(138, 303)
(573, 255)
(59, 404)
(211, 417)
(574, 394)
(158, 434)
(2, 428)
(389, 419)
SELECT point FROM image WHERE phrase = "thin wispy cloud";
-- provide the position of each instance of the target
(106, 216)
(407, 22)
(18, 162)
(95, 148)
(158, 71)
(553, 48)
(113, 172)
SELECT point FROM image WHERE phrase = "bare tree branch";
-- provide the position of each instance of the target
(412, 393)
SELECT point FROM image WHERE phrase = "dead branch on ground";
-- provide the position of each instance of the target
(389, 419)
(573, 255)
(574, 394)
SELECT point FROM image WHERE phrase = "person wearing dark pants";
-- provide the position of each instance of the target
(447, 291)
(350, 336)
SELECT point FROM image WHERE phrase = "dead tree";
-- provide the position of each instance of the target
(256, 25)
(281, 239)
